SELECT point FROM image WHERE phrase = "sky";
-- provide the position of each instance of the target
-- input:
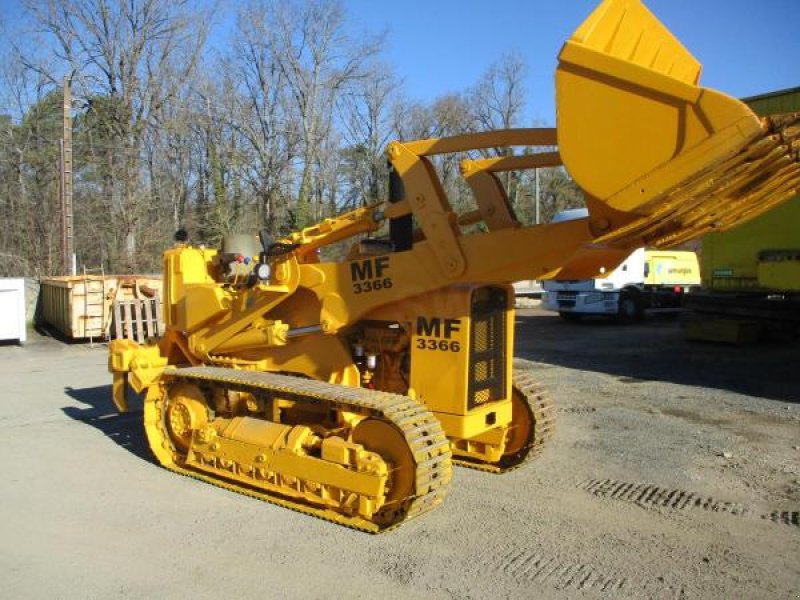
(746, 47)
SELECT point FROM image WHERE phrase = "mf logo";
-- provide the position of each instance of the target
(372, 268)
(437, 327)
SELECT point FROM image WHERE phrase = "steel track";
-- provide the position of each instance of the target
(543, 412)
(421, 429)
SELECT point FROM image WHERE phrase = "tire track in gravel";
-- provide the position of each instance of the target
(538, 566)
(647, 495)
(577, 409)
(784, 517)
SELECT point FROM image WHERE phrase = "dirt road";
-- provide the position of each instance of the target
(675, 473)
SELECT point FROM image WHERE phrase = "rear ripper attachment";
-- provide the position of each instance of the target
(365, 459)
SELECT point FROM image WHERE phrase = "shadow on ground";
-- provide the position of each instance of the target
(656, 350)
(124, 429)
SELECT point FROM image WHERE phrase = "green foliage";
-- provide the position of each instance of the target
(29, 190)
(557, 192)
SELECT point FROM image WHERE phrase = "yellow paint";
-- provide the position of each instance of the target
(431, 329)
(637, 132)
(672, 267)
(732, 261)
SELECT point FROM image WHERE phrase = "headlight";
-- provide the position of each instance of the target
(262, 271)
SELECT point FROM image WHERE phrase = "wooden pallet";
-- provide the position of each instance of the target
(138, 319)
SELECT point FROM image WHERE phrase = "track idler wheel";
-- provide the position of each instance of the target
(383, 438)
(171, 414)
(186, 412)
(521, 432)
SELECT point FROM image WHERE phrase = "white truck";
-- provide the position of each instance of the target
(647, 280)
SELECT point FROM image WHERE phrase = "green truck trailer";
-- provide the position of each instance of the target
(751, 274)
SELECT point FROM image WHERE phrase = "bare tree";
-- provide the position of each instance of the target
(497, 101)
(138, 54)
(287, 125)
(318, 59)
(263, 116)
(411, 120)
(366, 126)
(29, 234)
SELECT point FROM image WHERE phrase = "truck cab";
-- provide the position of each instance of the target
(646, 281)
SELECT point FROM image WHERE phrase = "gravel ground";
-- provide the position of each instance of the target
(675, 473)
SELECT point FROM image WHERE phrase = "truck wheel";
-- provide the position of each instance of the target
(570, 316)
(630, 307)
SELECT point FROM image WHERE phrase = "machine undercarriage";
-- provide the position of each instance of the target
(363, 458)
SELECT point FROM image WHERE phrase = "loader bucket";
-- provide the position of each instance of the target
(661, 158)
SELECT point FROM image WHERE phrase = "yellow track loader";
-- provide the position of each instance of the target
(348, 389)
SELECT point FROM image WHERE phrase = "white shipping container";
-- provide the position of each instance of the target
(12, 309)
